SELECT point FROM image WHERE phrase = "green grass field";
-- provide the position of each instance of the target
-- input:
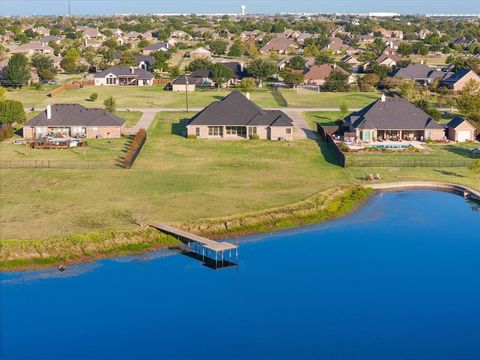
(131, 117)
(132, 97)
(312, 99)
(176, 180)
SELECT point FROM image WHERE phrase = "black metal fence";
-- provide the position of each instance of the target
(325, 135)
(59, 164)
(356, 161)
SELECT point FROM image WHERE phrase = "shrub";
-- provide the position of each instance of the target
(93, 97)
(191, 136)
(135, 148)
(254, 137)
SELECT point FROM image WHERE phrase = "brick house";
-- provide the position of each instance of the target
(460, 130)
(235, 117)
(74, 120)
(394, 118)
(457, 80)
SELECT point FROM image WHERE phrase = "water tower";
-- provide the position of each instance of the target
(243, 10)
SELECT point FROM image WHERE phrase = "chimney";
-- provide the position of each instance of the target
(421, 62)
(334, 66)
(241, 66)
(383, 98)
(49, 112)
(132, 70)
(247, 95)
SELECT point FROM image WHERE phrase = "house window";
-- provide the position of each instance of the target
(428, 134)
(111, 81)
(197, 131)
(215, 130)
(288, 131)
(252, 130)
(236, 130)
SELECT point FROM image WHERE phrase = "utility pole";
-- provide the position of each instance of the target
(69, 8)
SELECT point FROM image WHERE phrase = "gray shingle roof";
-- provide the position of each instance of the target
(236, 110)
(76, 115)
(413, 72)
(456, 76)
(120, 70)
(393, 113)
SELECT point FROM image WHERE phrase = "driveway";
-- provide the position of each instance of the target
(301, 131)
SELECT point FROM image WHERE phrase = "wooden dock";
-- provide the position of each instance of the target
(224, 253)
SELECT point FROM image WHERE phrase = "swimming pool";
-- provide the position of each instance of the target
(391, 147)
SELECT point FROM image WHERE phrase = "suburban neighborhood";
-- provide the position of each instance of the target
(143, 106)
(253, 180)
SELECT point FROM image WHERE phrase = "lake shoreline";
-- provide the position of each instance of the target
(27, 255)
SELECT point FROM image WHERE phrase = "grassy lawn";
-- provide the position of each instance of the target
(326, 118)
(444, 153)
(131, 117)
(132, 97)
(308, 98)
(97, 150)
(177, 180)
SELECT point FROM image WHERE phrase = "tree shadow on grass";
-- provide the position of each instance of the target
(448, 173)
(180, 129)
(460, 151)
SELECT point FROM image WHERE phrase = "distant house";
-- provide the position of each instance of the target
(92, 34)
(199, 78)
(394, 118)
(32, 48)
(236, 117)
(367, 39)
(418, 72)
(338, 46)
(124, 76)
(159, 46)
(460, 130)
(49, 38)
(456, 81)
(318, 74)
(238, 70)
(144, 62)
(200, 53)
(389, 59)
(351, 60)
(391, 34)
(279, 46)
(74, 120)
(463, 42)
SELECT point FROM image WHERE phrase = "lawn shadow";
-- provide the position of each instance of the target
(448, 173)
(327, 153)
(180, 129)
(120, 159)
(460, 151)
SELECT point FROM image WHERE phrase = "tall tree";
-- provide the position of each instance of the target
(110, 104)
(199, 64)
(220, 73)
(337, 81)
(468, 102)
(261, 69)
(161, 60)
(18, 70)
(44, 65)
(12, 111)
(218, 46)
(127, 59)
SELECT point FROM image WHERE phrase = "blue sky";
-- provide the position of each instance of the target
(100, 7)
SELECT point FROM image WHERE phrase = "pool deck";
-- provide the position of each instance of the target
(395, 145)
(466, 191)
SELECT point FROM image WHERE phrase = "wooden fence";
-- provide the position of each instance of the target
(71, 85)
(162, 81)
(128, 163)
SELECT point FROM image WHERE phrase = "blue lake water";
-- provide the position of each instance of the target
(399, 279)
